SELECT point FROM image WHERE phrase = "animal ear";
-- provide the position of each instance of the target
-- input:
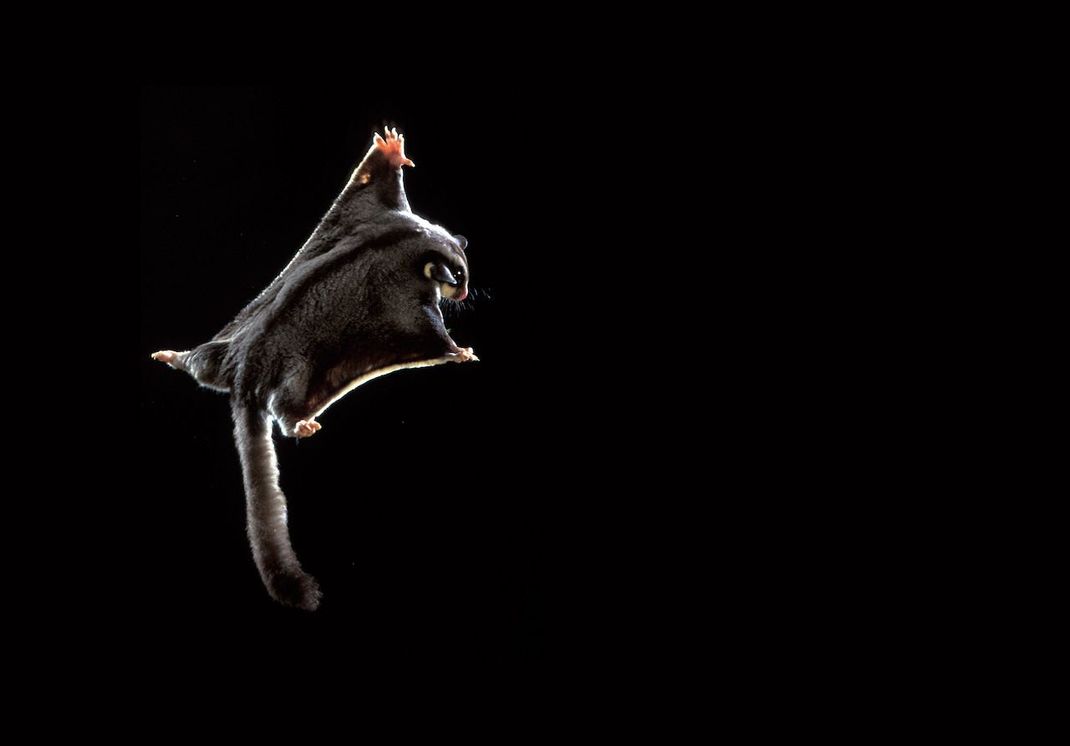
(439, 272)
(462, 241)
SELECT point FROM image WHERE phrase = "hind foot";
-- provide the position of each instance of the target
(306, 428)
(172, 358)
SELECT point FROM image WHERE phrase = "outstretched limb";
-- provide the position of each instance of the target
(203, 363)
(463, 355)
(393, 147)
(387, 155)
(172, 358)
(377, 182)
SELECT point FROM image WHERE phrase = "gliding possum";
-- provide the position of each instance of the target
(359, 300)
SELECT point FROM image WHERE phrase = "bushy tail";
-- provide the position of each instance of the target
(266, 510)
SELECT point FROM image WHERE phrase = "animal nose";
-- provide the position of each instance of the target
(461, 295)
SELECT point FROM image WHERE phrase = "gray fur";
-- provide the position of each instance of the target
(354, 300)
(266, 513)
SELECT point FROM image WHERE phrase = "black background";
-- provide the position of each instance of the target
(656, 421)
(624, 447)
(442, 510)
(674, 394)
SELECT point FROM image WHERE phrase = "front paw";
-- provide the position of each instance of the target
(393, 147)
(464, 355)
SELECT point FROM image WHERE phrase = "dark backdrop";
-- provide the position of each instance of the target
(638, 437)
(438, 508)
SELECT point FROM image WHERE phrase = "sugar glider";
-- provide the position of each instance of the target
(360, 299)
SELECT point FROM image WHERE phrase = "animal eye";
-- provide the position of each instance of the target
(439, 273)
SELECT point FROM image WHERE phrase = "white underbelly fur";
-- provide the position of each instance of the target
(381, 372)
